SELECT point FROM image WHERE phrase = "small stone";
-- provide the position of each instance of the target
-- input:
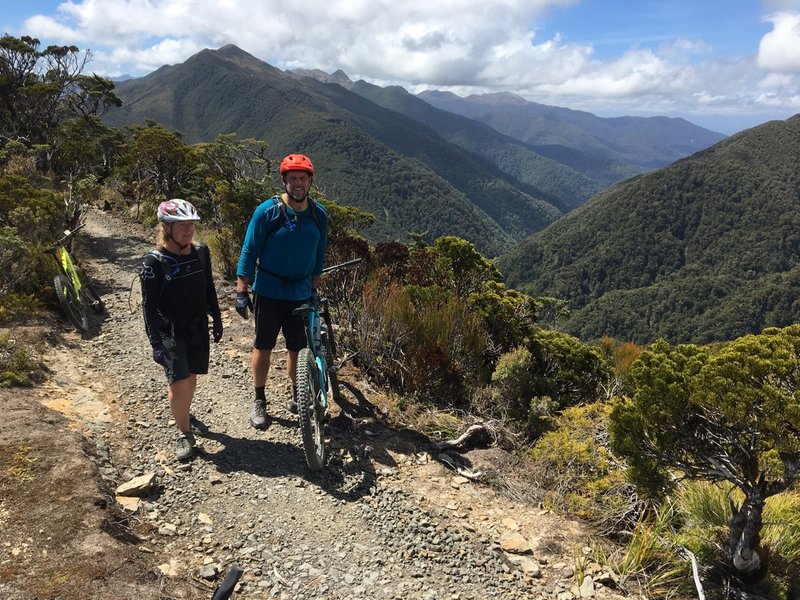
(515, 543)
(138, 486)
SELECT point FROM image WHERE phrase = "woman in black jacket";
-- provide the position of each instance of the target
(178, 294)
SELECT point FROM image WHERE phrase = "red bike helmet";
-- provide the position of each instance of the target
(296, 162)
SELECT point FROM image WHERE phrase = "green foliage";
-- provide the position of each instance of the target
(509, 316)
(569, 371)
(345, 220)
(29, 220)
(17, 366)
(703, 250)
(42, 89)
(514, 388)
(471, 271)
(721, 417)
(578, 472)
(552, 372)
(156, 164)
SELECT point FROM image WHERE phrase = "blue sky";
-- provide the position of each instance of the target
(723, 65)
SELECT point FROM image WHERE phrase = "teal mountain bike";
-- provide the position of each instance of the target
(317, 380)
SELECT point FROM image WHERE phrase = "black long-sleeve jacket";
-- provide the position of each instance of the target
(177, 292)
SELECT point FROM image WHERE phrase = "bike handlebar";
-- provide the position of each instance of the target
(68, 234)
(344, 265)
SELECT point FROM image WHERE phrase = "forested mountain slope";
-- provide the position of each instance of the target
(705, 249)
(620, 143)
(401, 171)
(540, 176)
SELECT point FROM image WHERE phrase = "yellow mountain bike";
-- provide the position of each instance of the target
(74, 294)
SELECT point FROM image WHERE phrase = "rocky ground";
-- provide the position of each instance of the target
(387, 518)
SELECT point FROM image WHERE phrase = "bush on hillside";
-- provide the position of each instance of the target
(30, 219)
(420, 340)
(578, 473)
(551, 372)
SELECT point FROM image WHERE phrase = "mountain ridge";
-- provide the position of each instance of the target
(617, 138)
(375, 159)
(703, 250)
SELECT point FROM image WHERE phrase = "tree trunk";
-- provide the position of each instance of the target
(745, 529)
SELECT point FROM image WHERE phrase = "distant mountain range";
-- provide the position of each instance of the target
(705, 249)
(646, 142)
(416, 167)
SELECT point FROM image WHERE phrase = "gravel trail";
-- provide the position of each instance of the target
(386, 524)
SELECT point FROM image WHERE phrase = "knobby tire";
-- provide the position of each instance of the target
(70, 303)
(309, 410)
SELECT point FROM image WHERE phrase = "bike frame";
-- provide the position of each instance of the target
(313, 326)
(67, 266)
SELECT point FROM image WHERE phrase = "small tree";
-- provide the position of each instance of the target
(732, 416)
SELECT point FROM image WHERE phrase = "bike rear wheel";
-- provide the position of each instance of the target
(92, 298)
(70, 303)
(310, 410)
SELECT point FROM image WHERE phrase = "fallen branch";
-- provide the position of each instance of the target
(471, 432)
(471, 475)
(696, 573)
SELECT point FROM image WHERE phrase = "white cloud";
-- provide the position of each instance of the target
(779, 49)
(466, 46)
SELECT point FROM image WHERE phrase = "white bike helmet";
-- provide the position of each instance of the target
(171, 211)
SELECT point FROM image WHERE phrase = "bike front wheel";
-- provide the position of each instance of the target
(70, 303)
(310, 411)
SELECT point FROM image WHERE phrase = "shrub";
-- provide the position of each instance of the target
(579, 474)
(420, 340)
(553, 371)
(17, 367)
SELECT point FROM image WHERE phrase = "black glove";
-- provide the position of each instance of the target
(216, 328)
(243, 304)
(160, 355)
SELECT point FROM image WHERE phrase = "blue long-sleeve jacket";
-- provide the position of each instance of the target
(279, 255)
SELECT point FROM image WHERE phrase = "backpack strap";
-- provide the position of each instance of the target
(284, 217)
(170, 266)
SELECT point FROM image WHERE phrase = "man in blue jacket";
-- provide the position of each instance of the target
(282, 255)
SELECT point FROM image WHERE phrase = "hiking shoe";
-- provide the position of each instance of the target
(184, 446)
(258, 414)
(293, 401)
(196, 426)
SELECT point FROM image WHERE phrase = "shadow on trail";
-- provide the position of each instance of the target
(263, 458)
(342, 480)
(363, 408)
(383, 440)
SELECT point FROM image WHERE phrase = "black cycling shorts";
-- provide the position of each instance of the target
(188, 351)
(273, 316)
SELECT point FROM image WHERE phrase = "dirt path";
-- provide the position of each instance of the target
(384, 520)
